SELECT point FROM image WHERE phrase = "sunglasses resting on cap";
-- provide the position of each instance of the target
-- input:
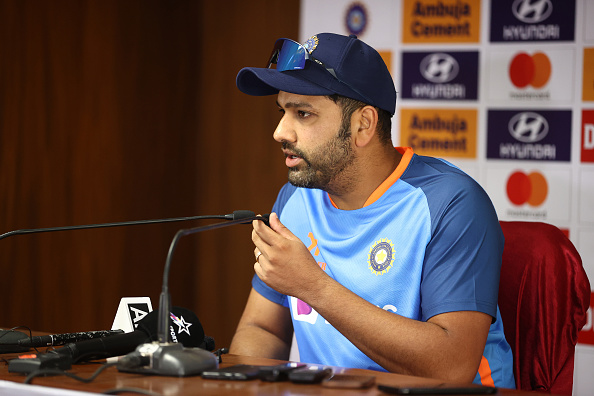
(325, 64)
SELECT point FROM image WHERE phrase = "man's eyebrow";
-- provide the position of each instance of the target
(295, 105)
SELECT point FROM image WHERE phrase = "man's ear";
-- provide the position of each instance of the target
(365, 123)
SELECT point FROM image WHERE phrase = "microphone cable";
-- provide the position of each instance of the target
(103, 367)
(42, 372)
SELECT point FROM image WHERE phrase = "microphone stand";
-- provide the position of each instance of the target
(173, 359)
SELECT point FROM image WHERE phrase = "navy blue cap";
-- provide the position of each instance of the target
(360, 70)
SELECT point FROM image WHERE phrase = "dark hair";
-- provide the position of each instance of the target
(348, 106)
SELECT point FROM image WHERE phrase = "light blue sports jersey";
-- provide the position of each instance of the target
(427, 242)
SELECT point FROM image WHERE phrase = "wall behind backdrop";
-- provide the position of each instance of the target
(127, 110)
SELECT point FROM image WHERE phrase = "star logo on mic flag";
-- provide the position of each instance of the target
(183, 326)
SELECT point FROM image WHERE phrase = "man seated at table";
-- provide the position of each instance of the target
(376, 257)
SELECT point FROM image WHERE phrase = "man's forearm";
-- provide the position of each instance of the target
(251, 340)
(264, 330)
(448, 346)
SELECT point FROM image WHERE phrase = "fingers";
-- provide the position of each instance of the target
(257, 265)
(262, 233)
(270, 234)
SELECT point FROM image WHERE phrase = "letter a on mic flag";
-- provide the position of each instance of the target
(131, 311)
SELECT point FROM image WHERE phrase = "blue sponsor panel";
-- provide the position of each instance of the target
(440, 75)
(532, 20)
(531, 135)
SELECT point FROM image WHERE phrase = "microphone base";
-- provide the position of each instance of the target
(171, 359)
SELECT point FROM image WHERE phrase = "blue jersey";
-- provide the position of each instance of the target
(427, 242)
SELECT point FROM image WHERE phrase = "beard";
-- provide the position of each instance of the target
(325, 164)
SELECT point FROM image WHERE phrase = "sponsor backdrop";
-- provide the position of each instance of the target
(504, 89)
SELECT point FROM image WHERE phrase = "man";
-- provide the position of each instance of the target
(375, 257)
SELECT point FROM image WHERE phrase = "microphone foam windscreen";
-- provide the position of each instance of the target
(184, 327)
(9, 339)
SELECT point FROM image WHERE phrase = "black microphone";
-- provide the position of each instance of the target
(183, 323)
(9, 341)
(164, 357)
(61, 339)
(232, 216)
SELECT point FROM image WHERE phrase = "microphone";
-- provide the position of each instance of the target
(165, 298)
(232, 216)
(9, 341)
(61, 339)
(189, 333)
(164, 357)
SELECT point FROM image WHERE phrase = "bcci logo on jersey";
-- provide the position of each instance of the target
(381, 257)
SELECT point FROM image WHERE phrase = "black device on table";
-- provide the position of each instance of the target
(441, 389)
(349, 381)
(310, 374)
(279, 372)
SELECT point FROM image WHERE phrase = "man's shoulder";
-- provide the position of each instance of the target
(443, 184)
(285, 193)
(425, 171)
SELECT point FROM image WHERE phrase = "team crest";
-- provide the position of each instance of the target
(356, 18)
(311, 44)
(381, 257)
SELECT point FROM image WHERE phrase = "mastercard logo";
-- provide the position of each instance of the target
(533, 70)
(531, 189)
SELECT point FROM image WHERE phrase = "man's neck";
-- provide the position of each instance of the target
(368, 174)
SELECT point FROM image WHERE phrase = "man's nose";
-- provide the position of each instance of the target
(284, 131)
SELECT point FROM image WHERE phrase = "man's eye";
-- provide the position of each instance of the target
(303, 114)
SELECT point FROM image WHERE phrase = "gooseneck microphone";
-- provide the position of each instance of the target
(124, 223)
(166, 358)
(240, 217)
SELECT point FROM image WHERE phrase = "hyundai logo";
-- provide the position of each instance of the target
(530, 11)
(528, 127)
(439, 68)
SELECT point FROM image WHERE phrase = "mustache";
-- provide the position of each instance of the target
(291, 147)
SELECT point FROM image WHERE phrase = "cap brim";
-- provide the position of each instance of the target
(260, 82)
